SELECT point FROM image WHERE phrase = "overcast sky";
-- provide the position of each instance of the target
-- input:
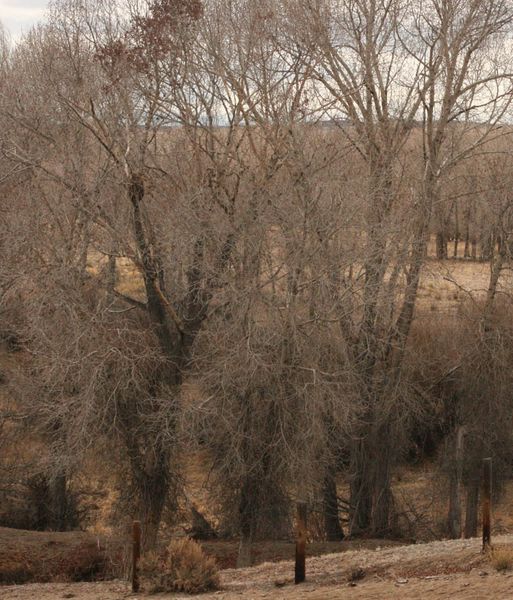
(19, 15)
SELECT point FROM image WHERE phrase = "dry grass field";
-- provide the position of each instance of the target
(445, 284)
(450, 569)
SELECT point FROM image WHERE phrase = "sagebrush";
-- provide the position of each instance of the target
(184, 567)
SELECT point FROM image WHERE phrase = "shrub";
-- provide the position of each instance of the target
(183, 568)
(502, 559)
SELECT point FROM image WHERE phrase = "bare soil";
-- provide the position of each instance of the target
(448, 569)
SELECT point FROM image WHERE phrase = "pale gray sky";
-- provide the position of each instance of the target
(18, 16)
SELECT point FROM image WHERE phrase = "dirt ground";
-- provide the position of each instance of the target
(448, 569)
(472, 587)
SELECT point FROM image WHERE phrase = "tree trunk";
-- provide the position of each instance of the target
(246, 525)
(454, 516)
(371, 456)
(332, 527)
(150, 478)
(59, 503)
(441, 244)
(244, 556)
(487, 246)
(472, 508)
(154, 494)
(360, 489)
(466, 251)
(456, 230)
(383, 498)
(371, 495)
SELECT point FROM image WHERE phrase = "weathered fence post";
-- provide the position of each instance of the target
(136, 553)
(486, 502)
(299, 575)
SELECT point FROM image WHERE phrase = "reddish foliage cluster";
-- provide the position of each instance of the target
(112, 53)
(152, 36)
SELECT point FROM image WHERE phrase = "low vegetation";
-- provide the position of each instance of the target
(183, 567)
(501, 558)
(47, 557)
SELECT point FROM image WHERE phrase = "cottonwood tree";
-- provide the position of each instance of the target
(287, 232)
(360, 54)
(117, 62)
(249, 416)
(480, 420)
(464, 107)
(381, 78)
(240, 197)
(46, 227)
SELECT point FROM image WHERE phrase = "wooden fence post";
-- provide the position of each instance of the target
(486, 489)
(136, 553)
(299, 575)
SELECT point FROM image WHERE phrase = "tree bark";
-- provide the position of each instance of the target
(151, 477)
(154, 490)
(474, 248)
(332, 527)
(246, 525)
(454, 514)
(456, 230)
(472, 508)
(441, 244)
(59, 503)
(487, 246)
(466, 250)
(371, 494)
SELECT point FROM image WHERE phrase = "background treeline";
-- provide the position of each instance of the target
(215, 219)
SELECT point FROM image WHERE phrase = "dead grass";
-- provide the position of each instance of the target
(50, 556)
(501, 558)
(444, 284)
(439, 570)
